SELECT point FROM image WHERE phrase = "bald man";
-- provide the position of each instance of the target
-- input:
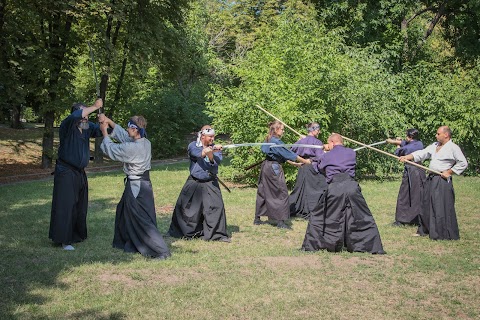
(200, 211)
(343, 219)
(438, 218)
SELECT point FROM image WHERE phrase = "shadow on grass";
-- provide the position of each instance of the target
(31, 265)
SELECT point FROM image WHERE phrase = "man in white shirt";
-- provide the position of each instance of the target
(438, 218)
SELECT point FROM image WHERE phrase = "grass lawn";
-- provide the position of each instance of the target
(262, 274)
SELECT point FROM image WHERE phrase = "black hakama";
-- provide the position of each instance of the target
(438, 218)
(343, 219)
(272, 192)
(309, 188)
(410, 195)
(68, 222)
(199, 211)
(136, 222)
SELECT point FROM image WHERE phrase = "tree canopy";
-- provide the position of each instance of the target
(368, 70)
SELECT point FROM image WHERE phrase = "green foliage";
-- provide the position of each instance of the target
(432, 97)
(301, 73)
(171, 119)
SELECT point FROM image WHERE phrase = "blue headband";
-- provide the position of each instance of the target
(317, 127)
(132, 124)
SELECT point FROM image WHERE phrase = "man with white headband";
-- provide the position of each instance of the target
(68, 221)
(200, 211)
(135, 220)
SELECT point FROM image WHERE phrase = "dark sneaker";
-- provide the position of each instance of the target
(162, 257)
(283, 225)
(257, 221)
(225, 239)
(397, 224)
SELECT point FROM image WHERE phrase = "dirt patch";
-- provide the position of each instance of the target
(21, 153)
(164, 209)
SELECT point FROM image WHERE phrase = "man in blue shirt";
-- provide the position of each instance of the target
(68, 221)
(410, 194)
(200, 211)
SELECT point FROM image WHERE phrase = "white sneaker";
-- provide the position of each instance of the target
(68, 247)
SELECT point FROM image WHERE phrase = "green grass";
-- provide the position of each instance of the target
(262, 274)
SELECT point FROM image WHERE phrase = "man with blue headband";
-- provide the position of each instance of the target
(135, 220)
(200, 211)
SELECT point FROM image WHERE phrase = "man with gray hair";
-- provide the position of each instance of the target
(438, 218)
(310, 185)
(68, 221)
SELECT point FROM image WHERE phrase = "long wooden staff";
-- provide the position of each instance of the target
(392, 155)
(286, 125)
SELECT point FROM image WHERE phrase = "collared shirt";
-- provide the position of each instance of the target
(202, 168)
(314, 154)
(74, 146)
(306, 152)
(136, 155)
(448, 157)
(280, 154)
(338, 160)
(408, 147)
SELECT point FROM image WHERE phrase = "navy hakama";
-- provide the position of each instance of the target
(199, 211)
(343, 219)
(439, 219)
(136, 222)
(68, 220)
(307, 192)
(410, 195)
(272, 192)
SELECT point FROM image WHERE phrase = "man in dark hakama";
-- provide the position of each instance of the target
(200, 211)
(135, 220)
(68, 221)
(410, 195)
(272, 193)
(343, 219)
(438, 218)
(310, 184)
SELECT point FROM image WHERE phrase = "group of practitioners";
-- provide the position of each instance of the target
(325, 193)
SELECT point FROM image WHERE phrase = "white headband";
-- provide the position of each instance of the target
(206, 132)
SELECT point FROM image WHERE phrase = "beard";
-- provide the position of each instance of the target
(83, 125)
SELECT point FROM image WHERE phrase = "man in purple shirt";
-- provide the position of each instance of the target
(310, 184)
(343, 219)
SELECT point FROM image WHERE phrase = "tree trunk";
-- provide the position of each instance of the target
(16, 115)
(57, 48)
(47, 141)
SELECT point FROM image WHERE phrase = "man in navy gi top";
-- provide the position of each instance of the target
(68, 221)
